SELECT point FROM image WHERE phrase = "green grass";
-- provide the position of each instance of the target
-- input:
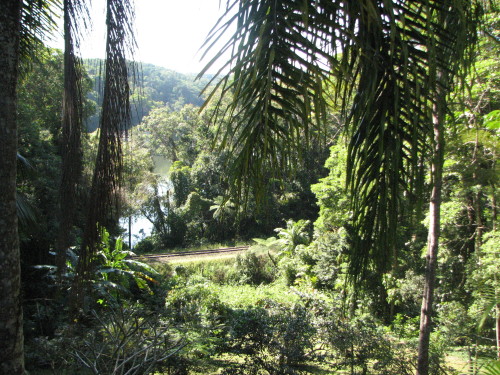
(458, 359)
(248, 295)
(205, 258)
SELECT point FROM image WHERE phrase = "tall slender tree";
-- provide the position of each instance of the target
(450, 16)
(389, 59)
(72, 120)
(21, 25)
(114, 121)
(11, 317)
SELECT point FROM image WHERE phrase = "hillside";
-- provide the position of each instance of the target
(152, 86)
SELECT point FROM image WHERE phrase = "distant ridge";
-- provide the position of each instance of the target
(155, 86)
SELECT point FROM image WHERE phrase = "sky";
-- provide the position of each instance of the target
(169, 33)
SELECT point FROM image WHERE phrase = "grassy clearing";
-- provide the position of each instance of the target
(198, 264)
(193, 259)
(459, 360)
(238, 296)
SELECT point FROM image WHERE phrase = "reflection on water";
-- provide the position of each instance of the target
(161, 165)
(140, 226)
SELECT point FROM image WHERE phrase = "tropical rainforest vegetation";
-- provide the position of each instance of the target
(344, 142)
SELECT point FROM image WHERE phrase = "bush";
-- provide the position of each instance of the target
(146, 245)
(200, 313)
(116, 341)
(289, 268)
(253, 269)
(357, 342)
(195, 303)
(276, 338)
(129, 341)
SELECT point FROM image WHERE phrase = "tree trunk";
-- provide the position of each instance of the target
(494, 214)
(130, 233)
(11, 316)
(71, 133)
(497, 325)
(497, 328)
(114, 121)
(433, 237)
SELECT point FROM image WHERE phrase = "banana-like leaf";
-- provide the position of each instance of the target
(141, 265)
(107, 285)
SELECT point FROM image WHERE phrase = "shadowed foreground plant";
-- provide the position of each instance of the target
(128, 342)
(115, 271)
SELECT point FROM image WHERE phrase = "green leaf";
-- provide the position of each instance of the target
(141, 265)
(492, 368)
(385, 58)
(492, 120)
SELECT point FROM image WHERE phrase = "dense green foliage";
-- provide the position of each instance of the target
(194, 203)
(154, 86)
(285, 306)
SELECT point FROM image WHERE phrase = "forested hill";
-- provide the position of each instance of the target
(154, 85)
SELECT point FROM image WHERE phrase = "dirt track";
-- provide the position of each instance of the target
(189, 254)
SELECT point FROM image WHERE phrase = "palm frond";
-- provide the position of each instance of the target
(276, 79)
(491, 298)
(382, 59)
(492, 368)
(38, 22)
(390, 121)
(26, 212)
(24, 164)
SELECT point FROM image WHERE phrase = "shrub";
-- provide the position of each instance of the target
(146, 245)
(357, 342)
(253, 269)
(129, 341)
(118, 340)
(200, 313)
(195, 303)
(289, 268)
(276, 338)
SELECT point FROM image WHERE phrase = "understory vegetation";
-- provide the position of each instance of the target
(274, 309)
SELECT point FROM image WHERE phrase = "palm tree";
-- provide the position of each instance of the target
(11, 332)
(72, 121)
(21, 25)
(394, 60)
(114, 121)
(294, 235)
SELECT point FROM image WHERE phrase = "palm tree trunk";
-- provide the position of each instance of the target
(130, 232)
(434, 231)
(114, 121)
(11, 316)
(71, 132)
